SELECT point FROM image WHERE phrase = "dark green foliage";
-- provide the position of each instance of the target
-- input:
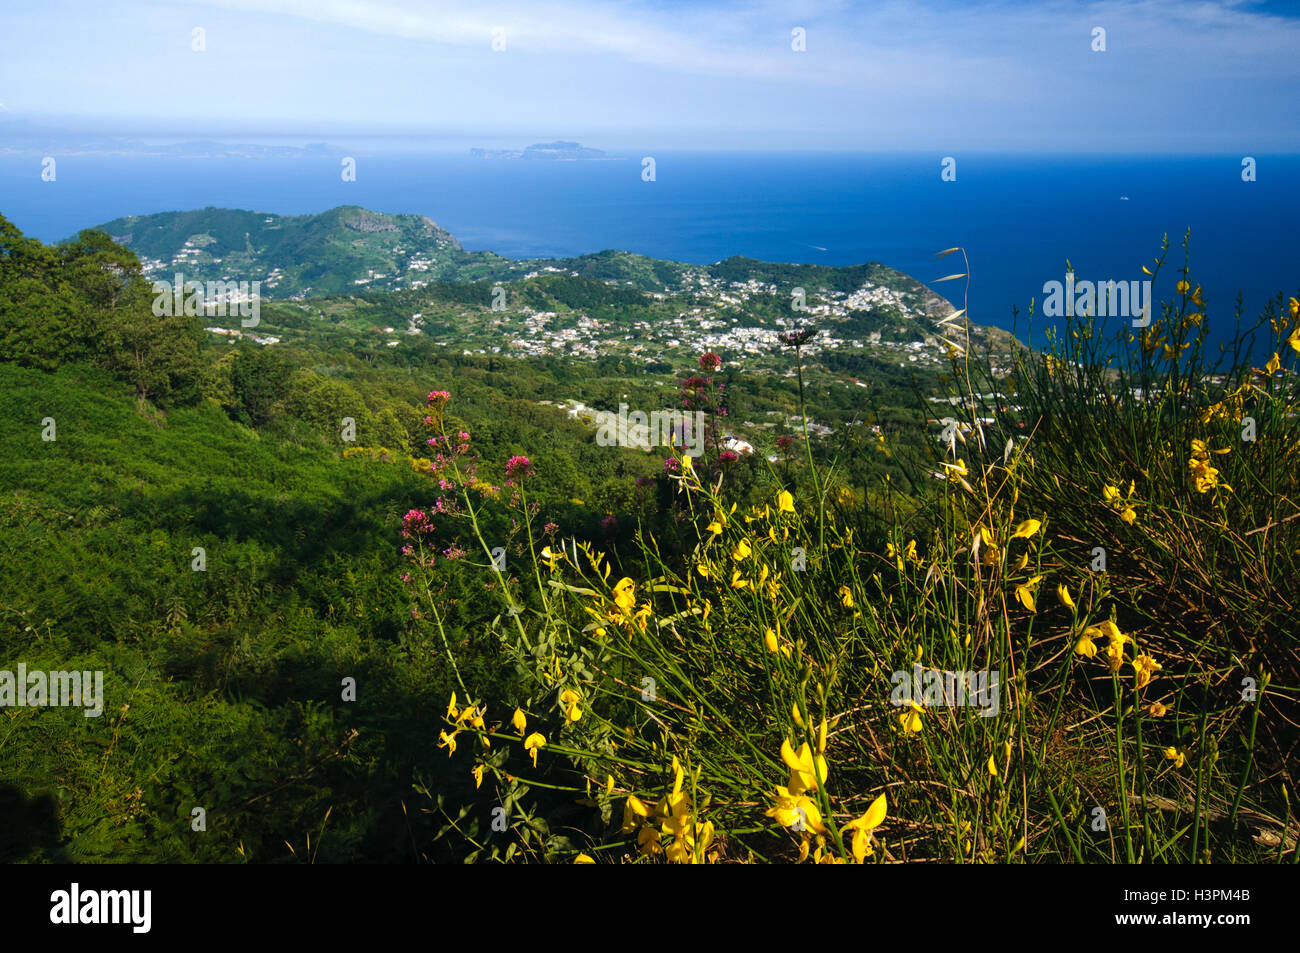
(233, 674)
(259, 379)
(85, 300)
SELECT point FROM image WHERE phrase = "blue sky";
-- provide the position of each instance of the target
(1176, 76)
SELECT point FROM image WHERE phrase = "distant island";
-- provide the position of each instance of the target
(558, 151)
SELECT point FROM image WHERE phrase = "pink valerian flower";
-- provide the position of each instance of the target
(453, 552)
(671, 465)
(695, 393)
(415, 523)
(610, 525)
(517, 468)
(784, 442)
(550, 529)
(727, 457)
(439, 397)
(645, 481)
(447, 506)
(710, 361)
(440, 465)
(461, 446)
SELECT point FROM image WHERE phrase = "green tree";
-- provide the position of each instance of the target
(87, 300)
(259, 379)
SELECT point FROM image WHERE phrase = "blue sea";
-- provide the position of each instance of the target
(1020, 218)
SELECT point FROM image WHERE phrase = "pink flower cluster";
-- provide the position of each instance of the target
(460, 447)
(416, 523)
(517, 468)
(446, 506)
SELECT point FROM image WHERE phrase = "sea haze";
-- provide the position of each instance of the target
(1019, 217)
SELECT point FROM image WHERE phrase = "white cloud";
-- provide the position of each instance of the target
(884, 73)
(982, 50)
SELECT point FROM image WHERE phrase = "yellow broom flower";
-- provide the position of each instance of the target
(1026, 529)
(1144, 667)
(532, 743)
(864, 825)
(625, 595)
(911, 719)
(569, 700)
(805, 767)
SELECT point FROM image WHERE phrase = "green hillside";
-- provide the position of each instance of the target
(354, 600)
(223, 685)
(291, 255)
(351, 248)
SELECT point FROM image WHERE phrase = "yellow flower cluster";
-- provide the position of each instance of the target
(1144, 666)
(747, 569)
(795, 810)
(679, 835)
(1204, 476)
(621, 609)
(384, 455)
(469, 717)
(1121, 504)
(1231, 408)
(793, 807)
(909, 551)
